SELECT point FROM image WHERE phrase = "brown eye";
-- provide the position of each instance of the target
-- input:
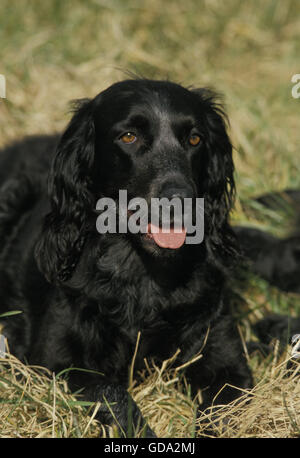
(129, 137)
(194, 140)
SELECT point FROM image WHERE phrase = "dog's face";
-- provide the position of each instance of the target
(154, 139)
(150, 141)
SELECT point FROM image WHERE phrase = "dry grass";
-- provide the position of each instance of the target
(249, 51)
(269, 410)
(35, 403)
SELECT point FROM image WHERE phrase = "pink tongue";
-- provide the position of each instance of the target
(171, 239)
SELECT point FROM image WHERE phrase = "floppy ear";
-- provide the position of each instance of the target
(71, 199)
(218, 187)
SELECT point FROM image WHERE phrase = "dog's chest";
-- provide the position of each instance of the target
(132, 297)
(124, 284)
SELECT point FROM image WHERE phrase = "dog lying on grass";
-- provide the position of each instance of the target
(85, 295)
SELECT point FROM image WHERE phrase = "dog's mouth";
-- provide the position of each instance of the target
(169, 235)
(171, 238)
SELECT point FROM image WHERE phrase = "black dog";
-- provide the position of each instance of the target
(84, 295)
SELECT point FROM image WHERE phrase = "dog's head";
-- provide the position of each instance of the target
(154, 139)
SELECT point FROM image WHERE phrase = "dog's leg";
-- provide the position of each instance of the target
(118, 407)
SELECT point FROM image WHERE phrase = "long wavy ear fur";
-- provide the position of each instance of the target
(218, 186)
(71, 199)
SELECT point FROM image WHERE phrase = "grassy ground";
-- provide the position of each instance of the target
(52, 52)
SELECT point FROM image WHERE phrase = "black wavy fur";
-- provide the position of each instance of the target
(84, 295)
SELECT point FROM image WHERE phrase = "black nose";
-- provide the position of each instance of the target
(171, 190)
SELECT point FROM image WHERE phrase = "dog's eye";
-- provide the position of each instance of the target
(129, 137)
(194, 140)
